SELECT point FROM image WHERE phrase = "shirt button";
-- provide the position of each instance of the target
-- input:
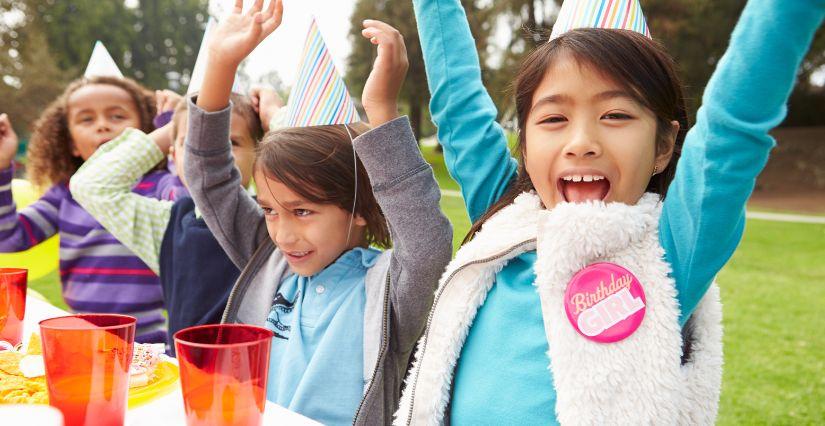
(320, 289)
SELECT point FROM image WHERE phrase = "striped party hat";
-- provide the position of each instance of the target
(101, 63)
(613, 14)
(319, 96)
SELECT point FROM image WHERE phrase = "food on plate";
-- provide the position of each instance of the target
(23, 374)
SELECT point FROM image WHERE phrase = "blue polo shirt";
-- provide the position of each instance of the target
(316, 363)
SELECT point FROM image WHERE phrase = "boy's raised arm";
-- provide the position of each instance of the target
(405, 188)
(214, 182)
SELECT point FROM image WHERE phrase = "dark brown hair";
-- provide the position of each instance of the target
(636, 63)
(241, 105)
(50, 159)
(316, 163)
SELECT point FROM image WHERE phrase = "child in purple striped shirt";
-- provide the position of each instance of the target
(98, 273)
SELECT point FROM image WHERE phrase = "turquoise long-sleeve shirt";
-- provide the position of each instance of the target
(504, 375)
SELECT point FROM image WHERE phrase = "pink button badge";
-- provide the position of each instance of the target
(605, 302)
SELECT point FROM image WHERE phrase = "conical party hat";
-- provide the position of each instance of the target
(614, 14)
(199, 70)
(101, 63)
(319, 96)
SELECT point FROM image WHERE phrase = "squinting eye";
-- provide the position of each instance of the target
(617, 116)
(269, 212)
(553, 119)
(302, 212)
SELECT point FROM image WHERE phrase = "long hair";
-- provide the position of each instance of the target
(636, 63)
(50, 159)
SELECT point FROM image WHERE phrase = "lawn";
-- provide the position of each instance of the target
(772, 290)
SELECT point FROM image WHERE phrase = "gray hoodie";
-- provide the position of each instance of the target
(399, 286)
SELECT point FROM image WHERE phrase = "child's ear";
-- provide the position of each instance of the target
(664, 152)
(359, 220)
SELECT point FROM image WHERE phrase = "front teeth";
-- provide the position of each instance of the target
(299, 253)
(586, 178)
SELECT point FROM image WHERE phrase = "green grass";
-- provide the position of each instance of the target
(49, 287)
(772, 291)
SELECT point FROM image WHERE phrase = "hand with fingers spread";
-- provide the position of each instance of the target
(380, 96)
(8, 142)
(266, 103)
(239, 33)
(166, 100)
(235, 37)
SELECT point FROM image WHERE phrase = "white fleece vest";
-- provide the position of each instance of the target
(638, 380)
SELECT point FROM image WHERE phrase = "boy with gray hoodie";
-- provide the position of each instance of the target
(346, 316)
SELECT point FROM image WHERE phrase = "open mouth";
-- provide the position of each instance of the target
(296, 256)
(580, 188)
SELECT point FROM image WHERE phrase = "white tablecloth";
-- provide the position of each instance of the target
(166, 410)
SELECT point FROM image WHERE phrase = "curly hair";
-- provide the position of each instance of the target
(50, 158)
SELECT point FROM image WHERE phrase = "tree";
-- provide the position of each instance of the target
(165, 42)
(30, 75)
(155, 42)
(44, 44)
(414, 94)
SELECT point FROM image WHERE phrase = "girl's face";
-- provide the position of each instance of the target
(96, 114)
(310, 235)
(243, 146)
(588, 139)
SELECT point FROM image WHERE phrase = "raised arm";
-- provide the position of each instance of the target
(704, 216)
(33, 224)
(475, 148)
(405, 188)
(103, 186)
(214, 182)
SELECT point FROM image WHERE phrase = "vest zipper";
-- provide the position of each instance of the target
(384, 343)
(435, 303)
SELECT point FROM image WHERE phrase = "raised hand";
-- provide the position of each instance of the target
(166, 100)
(380, 96)
(266, 103)
(237, 35)
(8, 142)
(232, 41)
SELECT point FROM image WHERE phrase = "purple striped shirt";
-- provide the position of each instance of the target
(98, 273)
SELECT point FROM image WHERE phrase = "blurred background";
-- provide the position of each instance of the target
(772, 289)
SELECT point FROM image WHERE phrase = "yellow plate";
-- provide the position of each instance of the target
(165, 381)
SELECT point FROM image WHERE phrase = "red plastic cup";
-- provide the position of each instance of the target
(12, 304)
(87, 361)
(223, 373)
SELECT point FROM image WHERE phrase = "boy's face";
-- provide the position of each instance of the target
(96, 114)
(243, 147)
(588, 139)
(311, 236)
